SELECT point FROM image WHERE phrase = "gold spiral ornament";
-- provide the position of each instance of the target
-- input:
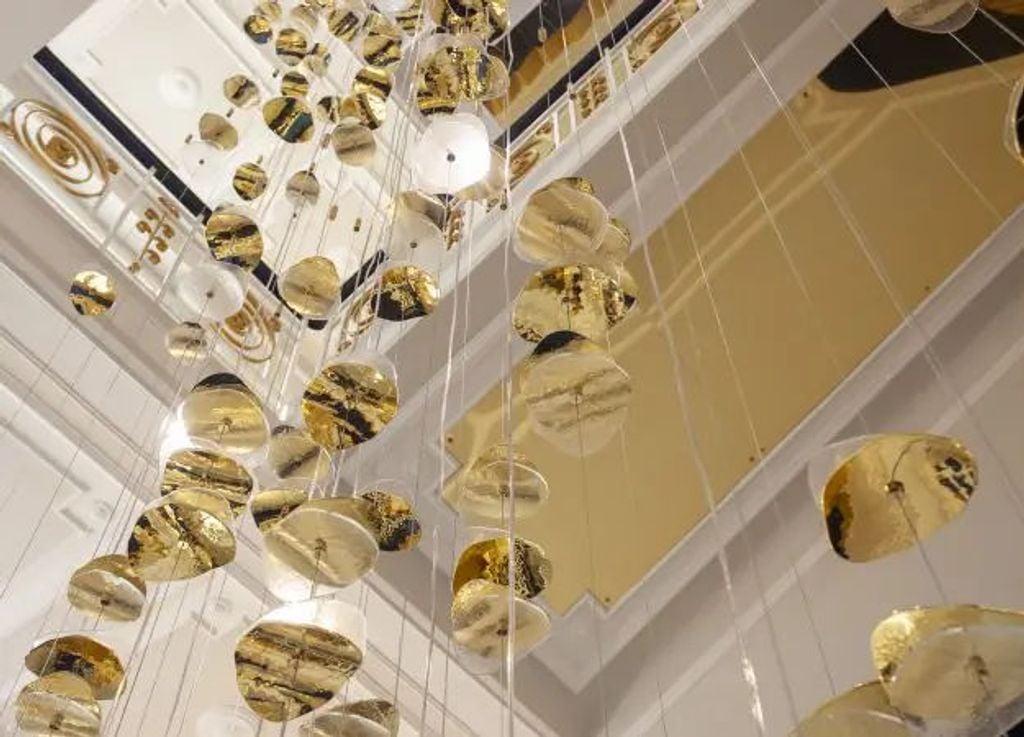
(61, 146)
(252, 331)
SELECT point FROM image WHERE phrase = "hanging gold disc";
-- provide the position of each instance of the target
(562, 222)
(204, 469)
(895, 491)
(187, 341)
(406, 292)
(217, 131)
(955, 663)
(270, 506)
(487, 560)
(89, 659)
(318, 60)
(250, 181)
(303, 188)
(294, 84)
(330, 108)
(933, 16)
(223, 411)
(627, 283)
(863, 710)
(392, 521)
(290, 118)
(257, 27)
(576, 297)
(487, 19)
(345, 22)
(234, 238)
(348, 403)
(270, 9)
(293, 456)
(489, 483)
(292, 46)
(92, 293)
(241, 91)
(312, 287)
(354, 144)
(373, 81)
(108, 587)
(577, 395)
(616, 243)
(382, 44)
(480, 621)
(59, 705)
(183, 535)
(368, 108)
(370, 718)
(326, 541)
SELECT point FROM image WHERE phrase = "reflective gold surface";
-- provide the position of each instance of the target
(92, 293)
(270, 506)
(863, 711)
(326, 541)
(187, 341)
(234, 238)
(241, 91)
(290, 118)
(257, 27)
(577, 395)
(369, 718)
(303, 188)
(318, 60)
(294, 84)
(80, 655)
(294, 456)
(492, 478)
(894, 491)
(373, 81)
(222, 410)
(348, 403)
(933, 16)
(291, 46)
(382, 44)
(576, 297)
(108, 587)
(616, 242)
(344, 22)
(312, 287)
(204, 469)
(953, 662)
(391, 521)
(368, 108)
(480, 621)
(485, 18)
(561, 223)
(217, 131)
(61, 705)
(183, 535)
(353, 144)
(330, 108)
(488, 560)
(406, 292)
(250, 181)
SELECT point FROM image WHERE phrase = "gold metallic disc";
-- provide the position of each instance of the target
(615, 244)
(487, 19)
(354, 144)
(294, 84)
(368, 108)
(382, 45)
(89, 659)
(187, 341)
(293, 456)
(576, 297)
(490, 482)
(370, 718)
(345, 22)
(270, 9)
(108, 587)
(392, 521)
(863, 711)
(303, 188)
(1013, 132)
(894, 491)
(413, 19)
(327, 541)
(92, 293)
(358, 318)
(223, 411)
(627, 283)
(406, 292)
(257, 27)
(318, 60)
(464, 73)
(955, 663)
(292, 46)
(250, 181)
(487, 560)
(285, 669)
(241, 91)
(305, 16)
(373, 81)
(312, 287)
(577, 395)
(290, 118)
(561, 223)
(348, 403)
(183, 535)
(234, 238)
(270, 506)
(204, 469)
(933, 16)
(217, 131)
(60, 705)
(480, 621)
(330, 108)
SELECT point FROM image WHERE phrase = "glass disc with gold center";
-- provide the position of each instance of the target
(326, 541)
(290, 118)
(894, 491)
(491, 480)
(291, 46)
(406, 292)
(270, 506)
(561, 223)
(223, 411)
(392, 521)
(89, 659)
(353, 144)
(234, 238)
(480, 621)
(241, 91)
(294, 456)
(217, 131)
(577, 297)
(952, 663)
(187, 341)
(312, 287)
(108, 587)
(933, 16)
(92, 293)
(488, 560)
(250, 181)
(369, 718)
(204, 469)
(59, 704)
(577, 395)
(183, 535)
(863, 711)
(298, 658)
(348, 403)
